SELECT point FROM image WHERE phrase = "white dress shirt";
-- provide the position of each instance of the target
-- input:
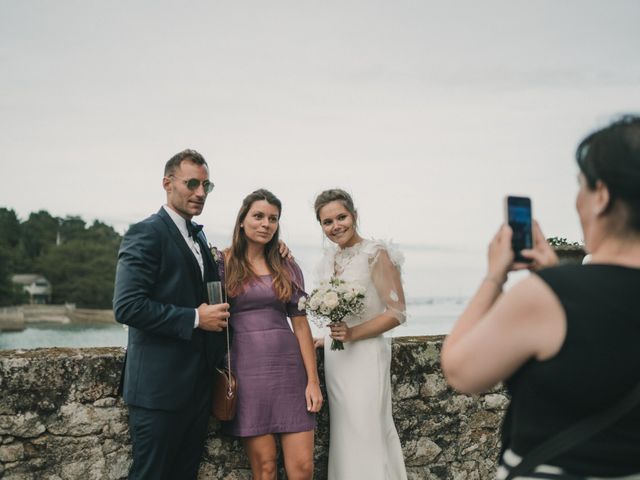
(181, 223)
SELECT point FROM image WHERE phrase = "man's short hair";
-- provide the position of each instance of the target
(174, 162)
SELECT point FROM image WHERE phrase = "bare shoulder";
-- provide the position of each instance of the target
(533, 294)
(535, 310)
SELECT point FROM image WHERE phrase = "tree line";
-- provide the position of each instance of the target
(78, 259)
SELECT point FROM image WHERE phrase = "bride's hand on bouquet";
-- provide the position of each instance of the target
(340, 331)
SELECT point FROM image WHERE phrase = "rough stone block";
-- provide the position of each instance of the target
(117, 464)
(88, 468)
(433, 386)
(9, 475)
(422, 452)
(21, 425)
(105, 402)
(407, 390)
(496, 401)
(460, 403)
(77, 419)
(11, 452)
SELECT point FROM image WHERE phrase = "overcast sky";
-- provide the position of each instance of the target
(428, 112)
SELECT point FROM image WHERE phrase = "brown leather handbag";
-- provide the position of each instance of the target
(225, 394)
(225, 389)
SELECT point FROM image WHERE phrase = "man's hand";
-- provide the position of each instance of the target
(213, 317)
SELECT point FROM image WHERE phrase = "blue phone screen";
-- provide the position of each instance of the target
(520, 222)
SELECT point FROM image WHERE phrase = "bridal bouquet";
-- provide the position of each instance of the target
(331, 302)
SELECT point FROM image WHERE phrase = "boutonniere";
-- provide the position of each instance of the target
(216, 254)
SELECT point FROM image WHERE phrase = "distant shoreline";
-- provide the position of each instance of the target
(17, 318)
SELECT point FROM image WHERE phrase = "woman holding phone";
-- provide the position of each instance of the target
(278, 387)
(565, 340)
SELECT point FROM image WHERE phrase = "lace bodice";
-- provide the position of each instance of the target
(375, 265)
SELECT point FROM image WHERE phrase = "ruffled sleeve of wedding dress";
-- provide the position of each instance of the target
(385, 261)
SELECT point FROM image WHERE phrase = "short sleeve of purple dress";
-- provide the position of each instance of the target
(267, 361)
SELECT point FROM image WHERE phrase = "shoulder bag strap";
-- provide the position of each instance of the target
(576, 434)
(226, 300)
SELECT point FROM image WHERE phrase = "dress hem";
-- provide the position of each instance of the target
(265, 431)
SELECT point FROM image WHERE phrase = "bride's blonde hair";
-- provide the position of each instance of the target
(335, 195)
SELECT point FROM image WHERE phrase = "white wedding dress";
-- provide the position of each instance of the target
(364, 443)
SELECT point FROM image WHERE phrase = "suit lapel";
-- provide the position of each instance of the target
(180, 242)
(210, 267)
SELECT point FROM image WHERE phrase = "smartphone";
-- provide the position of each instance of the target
(518, 216)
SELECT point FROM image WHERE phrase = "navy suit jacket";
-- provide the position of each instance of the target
(158, 285)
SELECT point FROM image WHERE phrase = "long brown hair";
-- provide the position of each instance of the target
(237, 269)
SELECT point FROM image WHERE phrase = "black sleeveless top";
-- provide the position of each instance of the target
(598, 364)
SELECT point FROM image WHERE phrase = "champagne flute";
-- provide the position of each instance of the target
(214, 292)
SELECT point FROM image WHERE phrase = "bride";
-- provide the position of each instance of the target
(364, 443)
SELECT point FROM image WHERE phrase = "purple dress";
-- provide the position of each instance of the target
(266, 358)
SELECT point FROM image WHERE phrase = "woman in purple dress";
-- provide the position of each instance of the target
(275, 364)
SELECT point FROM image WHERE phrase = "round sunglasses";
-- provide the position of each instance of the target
(194, 183)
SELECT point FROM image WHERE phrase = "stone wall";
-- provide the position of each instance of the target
(60, 418)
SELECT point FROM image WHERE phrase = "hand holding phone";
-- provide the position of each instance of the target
(518, 216)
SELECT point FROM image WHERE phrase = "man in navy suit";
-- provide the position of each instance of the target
(175, 338)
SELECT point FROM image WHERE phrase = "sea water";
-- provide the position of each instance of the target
(65, 335)
(426, 316)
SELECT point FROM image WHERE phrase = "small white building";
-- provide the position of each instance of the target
(37, 286)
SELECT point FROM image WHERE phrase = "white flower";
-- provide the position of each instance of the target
(302, 303)
(313, 303)
(330, 300)
(333, 300)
